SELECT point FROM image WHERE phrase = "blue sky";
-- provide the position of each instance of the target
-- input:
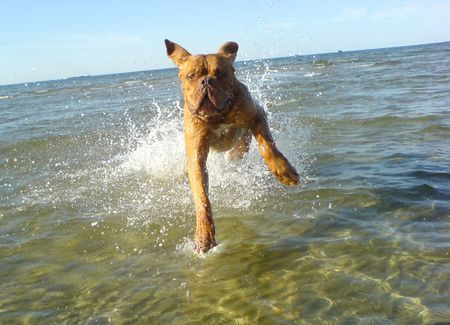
(41, 40)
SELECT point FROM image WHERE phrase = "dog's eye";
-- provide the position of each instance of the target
(191, 76)
(221, 74)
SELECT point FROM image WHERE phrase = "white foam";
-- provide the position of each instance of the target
(311, 74)
(160, 153)
(187, 247)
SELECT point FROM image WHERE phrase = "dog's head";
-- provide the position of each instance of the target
(208, 80)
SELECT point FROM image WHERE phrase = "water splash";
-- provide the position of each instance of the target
(160, 154)
(135, 169)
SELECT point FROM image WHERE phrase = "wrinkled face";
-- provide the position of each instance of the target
(208, 82)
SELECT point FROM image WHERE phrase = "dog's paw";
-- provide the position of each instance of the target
(204, 236)
(284, 172)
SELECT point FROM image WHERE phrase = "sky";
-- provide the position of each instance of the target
(43, 40)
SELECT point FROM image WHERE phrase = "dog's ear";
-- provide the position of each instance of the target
(229, 50)
(178, 54)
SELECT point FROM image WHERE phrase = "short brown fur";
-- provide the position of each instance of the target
(220, 114)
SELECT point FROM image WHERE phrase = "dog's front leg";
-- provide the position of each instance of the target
(196, 154)
(275, 160)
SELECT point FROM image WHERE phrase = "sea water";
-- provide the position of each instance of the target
(97, 218)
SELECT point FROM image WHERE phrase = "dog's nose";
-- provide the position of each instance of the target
(205, 81)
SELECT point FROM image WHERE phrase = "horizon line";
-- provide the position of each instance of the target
(338, 51)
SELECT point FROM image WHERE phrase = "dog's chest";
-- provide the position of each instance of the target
(223, 129)
(223, 137)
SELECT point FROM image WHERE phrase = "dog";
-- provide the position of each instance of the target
(220, 114)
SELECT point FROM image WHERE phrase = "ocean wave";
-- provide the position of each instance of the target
(418, 193)
(130, 83)
(437, 129)
(322, 63)
(354, 60)
(389, 121)
(54, 91)
(311, 74)
(388, 63)
(364, 65)
(425, 174)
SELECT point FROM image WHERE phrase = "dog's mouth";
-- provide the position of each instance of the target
(206, 105)
(210, 108)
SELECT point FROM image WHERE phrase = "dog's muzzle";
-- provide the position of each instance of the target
(207, 108)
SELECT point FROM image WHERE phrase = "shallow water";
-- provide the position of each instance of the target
(97, 219)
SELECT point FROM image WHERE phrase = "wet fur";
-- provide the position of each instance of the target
(220, 114)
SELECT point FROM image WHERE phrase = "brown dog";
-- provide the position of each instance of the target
(219, 113)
